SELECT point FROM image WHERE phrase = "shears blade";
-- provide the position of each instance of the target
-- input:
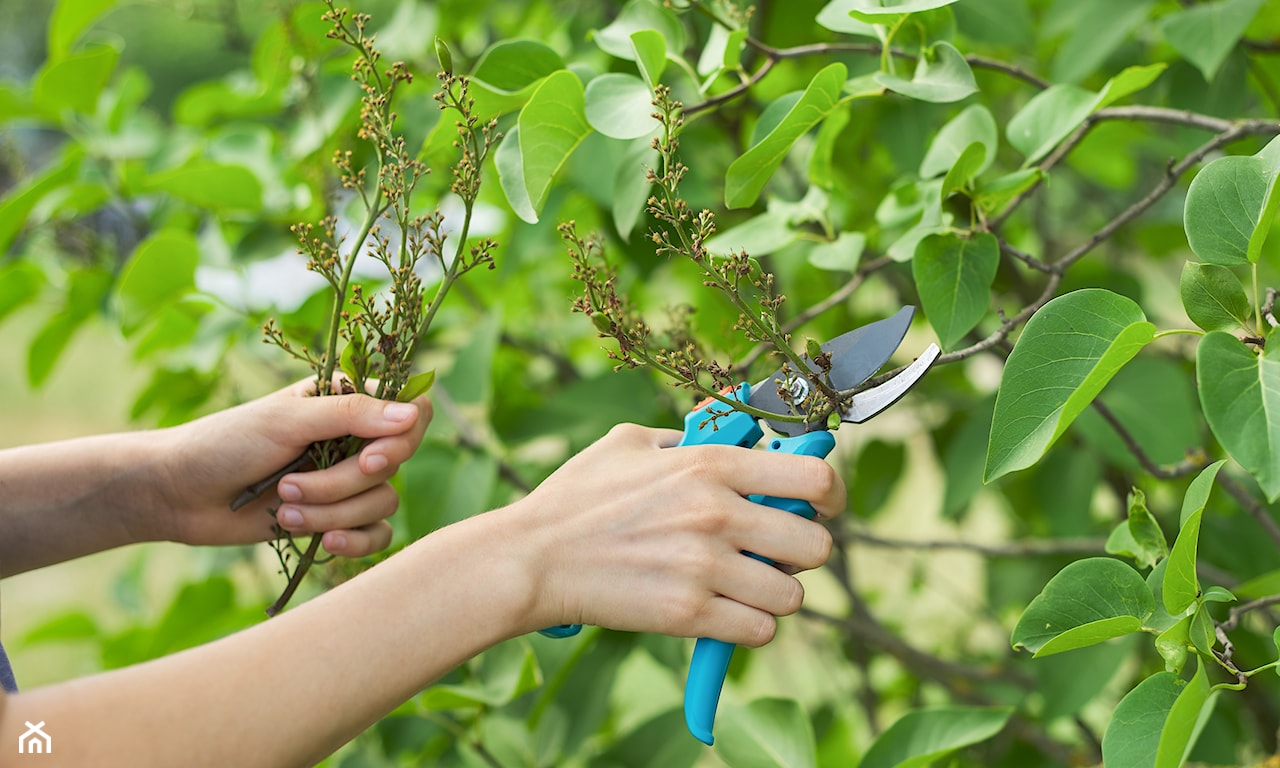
(854, 355)
(868, 403)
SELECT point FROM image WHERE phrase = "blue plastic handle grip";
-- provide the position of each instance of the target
(711, 657)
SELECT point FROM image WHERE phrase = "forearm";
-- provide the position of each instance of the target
(295, 688)
(65, 499)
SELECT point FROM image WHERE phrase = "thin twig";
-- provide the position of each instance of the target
(1027, 548)
(1196, 458)
(1252, 506)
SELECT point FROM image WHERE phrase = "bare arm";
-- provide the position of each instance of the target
(627, 535)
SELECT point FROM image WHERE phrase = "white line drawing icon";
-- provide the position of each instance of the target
(35, 741)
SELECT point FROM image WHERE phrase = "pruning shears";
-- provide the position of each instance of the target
(844, 362)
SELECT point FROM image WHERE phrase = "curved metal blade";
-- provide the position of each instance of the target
(866, 404)
(855, 356)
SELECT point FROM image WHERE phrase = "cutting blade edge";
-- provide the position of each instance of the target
(870, 402)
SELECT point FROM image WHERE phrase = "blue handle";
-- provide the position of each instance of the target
(710, 656)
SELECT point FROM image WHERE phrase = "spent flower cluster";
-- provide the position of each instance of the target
(380, 331)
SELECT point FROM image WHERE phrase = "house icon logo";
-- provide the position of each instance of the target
(35, 741)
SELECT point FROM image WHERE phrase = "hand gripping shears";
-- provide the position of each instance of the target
(848, 360)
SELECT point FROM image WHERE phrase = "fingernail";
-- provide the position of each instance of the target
(289, 517)
(289, 492)
(399, 412)
(375, 462)
(334, 541)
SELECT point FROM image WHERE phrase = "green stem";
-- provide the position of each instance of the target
(1257, 302)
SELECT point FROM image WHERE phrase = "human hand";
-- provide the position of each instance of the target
(632, 535)
(208, 462)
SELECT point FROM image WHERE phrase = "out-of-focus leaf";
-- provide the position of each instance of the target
(651, 745)
(941, 76)
(21, 200)
(1204, 34)
(1240, 395)
(69, 20)
(651, 54)
(75, 81)
(20, 282)
(636, 16)
(161, 270)
(1068, 352)
(920, 738)
(841, 254)
(210, 185)
(1068, 682)
(502, 674)
(1089, 601)
(767, 733)
(1099, 27)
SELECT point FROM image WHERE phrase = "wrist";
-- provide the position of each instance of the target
(523, 549)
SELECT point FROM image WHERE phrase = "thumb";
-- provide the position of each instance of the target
(308, 419)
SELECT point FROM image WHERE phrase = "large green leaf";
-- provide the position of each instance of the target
(1213, 297)
(922, 737)
(1068, 352)
(1204, 34)
(942, 75)
(954, 276)
(620, 106)
(1230, 206)
(1133, 735)
(75, 81)
(1181, 587)
(1087, 602)
(748, 174)
(637, 16)
(1186, 718)
(210, 185)
(1240, 395)
(161, 270)
(69, 20)
(501, 674)
(767, 733)
(973, 124)
(551, 126)
(1097, 29)
(1051, 115)
(510, 66)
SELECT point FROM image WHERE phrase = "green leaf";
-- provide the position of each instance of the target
(1173, 644)
(1202, 633)
(510, 66)
(1240, 395)
(1133, 735)
(161, 270)
(767, 733)
(1068, 683)
(650, 745)
(75, 625)
(1051, 115)
(69, 20)
(509, 160)
(1217, 594)
(822, 167)
(1068, 352)
(748, 174)
(211, 185)
(1230, 206)
(888, 11)
(1097, 30)
(762, 235)
(1095, 599)
(19, 201)
(966, 167)
(841, 254)
(1186, 718)
(941, 76)
(20, 282)
(551, 126)
(620, 106)
(1139, 537)
(954, 275)
(501, 675)
(1214, 297)
(1204, 34)
(836, 17)
(74, 82)
(1181, 587)
(1275, 639)
(1197, 495)
(924, 736)
(636, 16)
(973, 124)
(651, 54)
(631, 186)
(417, 386)
(995, 195)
